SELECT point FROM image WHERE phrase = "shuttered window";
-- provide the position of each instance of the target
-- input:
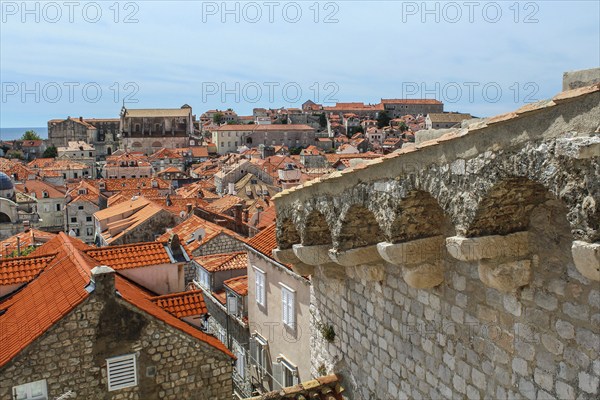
(288, 306)
(260, 286)
(121, 372)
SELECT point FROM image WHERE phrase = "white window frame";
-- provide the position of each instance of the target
(117, 364)
(259, 285)
(204, 278)
(288, 306)
(37, 390)
(240, 363)
(291, 369)
(260, 358)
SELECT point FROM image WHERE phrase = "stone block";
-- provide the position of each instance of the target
(505, 277)
(587, 259)
(424, 276)
(286, 256)
(414, 252)
(514, 245)
(312, 255)
(357, 256)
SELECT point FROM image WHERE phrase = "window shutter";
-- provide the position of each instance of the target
(284, 307)
(232, 304)
(121, 372)
(254, 351)
(292, 310)
(277, 375)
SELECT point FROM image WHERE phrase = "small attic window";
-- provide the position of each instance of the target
(45, 194)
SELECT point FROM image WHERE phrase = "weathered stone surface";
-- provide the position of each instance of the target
(424, 276)
(286, 256)
(505, 277)
(357, 256)
(579, 147)
(587, 259)
(413, 252)
(312, 255)
(500, 182)
(515, 245)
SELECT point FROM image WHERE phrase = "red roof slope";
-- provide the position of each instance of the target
(23, 269)
(238, 284)
(131, 255)
(45, 300)
(223, 262)
(183, 304)
(135, 295)
(61, 287)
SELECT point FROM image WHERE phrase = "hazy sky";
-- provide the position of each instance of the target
(85, 58)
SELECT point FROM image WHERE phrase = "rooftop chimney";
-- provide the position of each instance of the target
(104, 280)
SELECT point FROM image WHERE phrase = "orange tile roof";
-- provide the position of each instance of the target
(224, 204)
(322, 388)
(223, 262)
(13, 167)
(130, 214)
(220, 295)
(38, 187)
(120, 184)
(52, 295)
(238, 284)
(263, 218)
(32, 237)
(131, 255)
(264, 241)
(165, 153)
(170, 170)
(183, 304)
(272, 127)
(59, 289)
(23, 269)
(410, 101)
(193, 227)
(142, 299)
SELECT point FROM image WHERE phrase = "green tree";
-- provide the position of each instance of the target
(217, 118)
(284, 120)
(30, 135)
(24, 251)
(403, 127)
(383, 119)
(322, 120)
(15, 154)
(50, 152)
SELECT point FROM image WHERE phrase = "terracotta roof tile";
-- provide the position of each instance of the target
(61, 287)
(223, 262)
(238, 284)
(570, 94)
(48, 298)
(32, 237)
(140, 298)
(265, 241)
(15, 271)
(131, 255)
(323, 388)
(193, 228)
(183, 304)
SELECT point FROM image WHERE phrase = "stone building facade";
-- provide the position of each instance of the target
(466, 266)
(71, 356)
(102, 133)
(148, 130)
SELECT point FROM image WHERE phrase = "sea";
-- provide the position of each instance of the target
(16, 133)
